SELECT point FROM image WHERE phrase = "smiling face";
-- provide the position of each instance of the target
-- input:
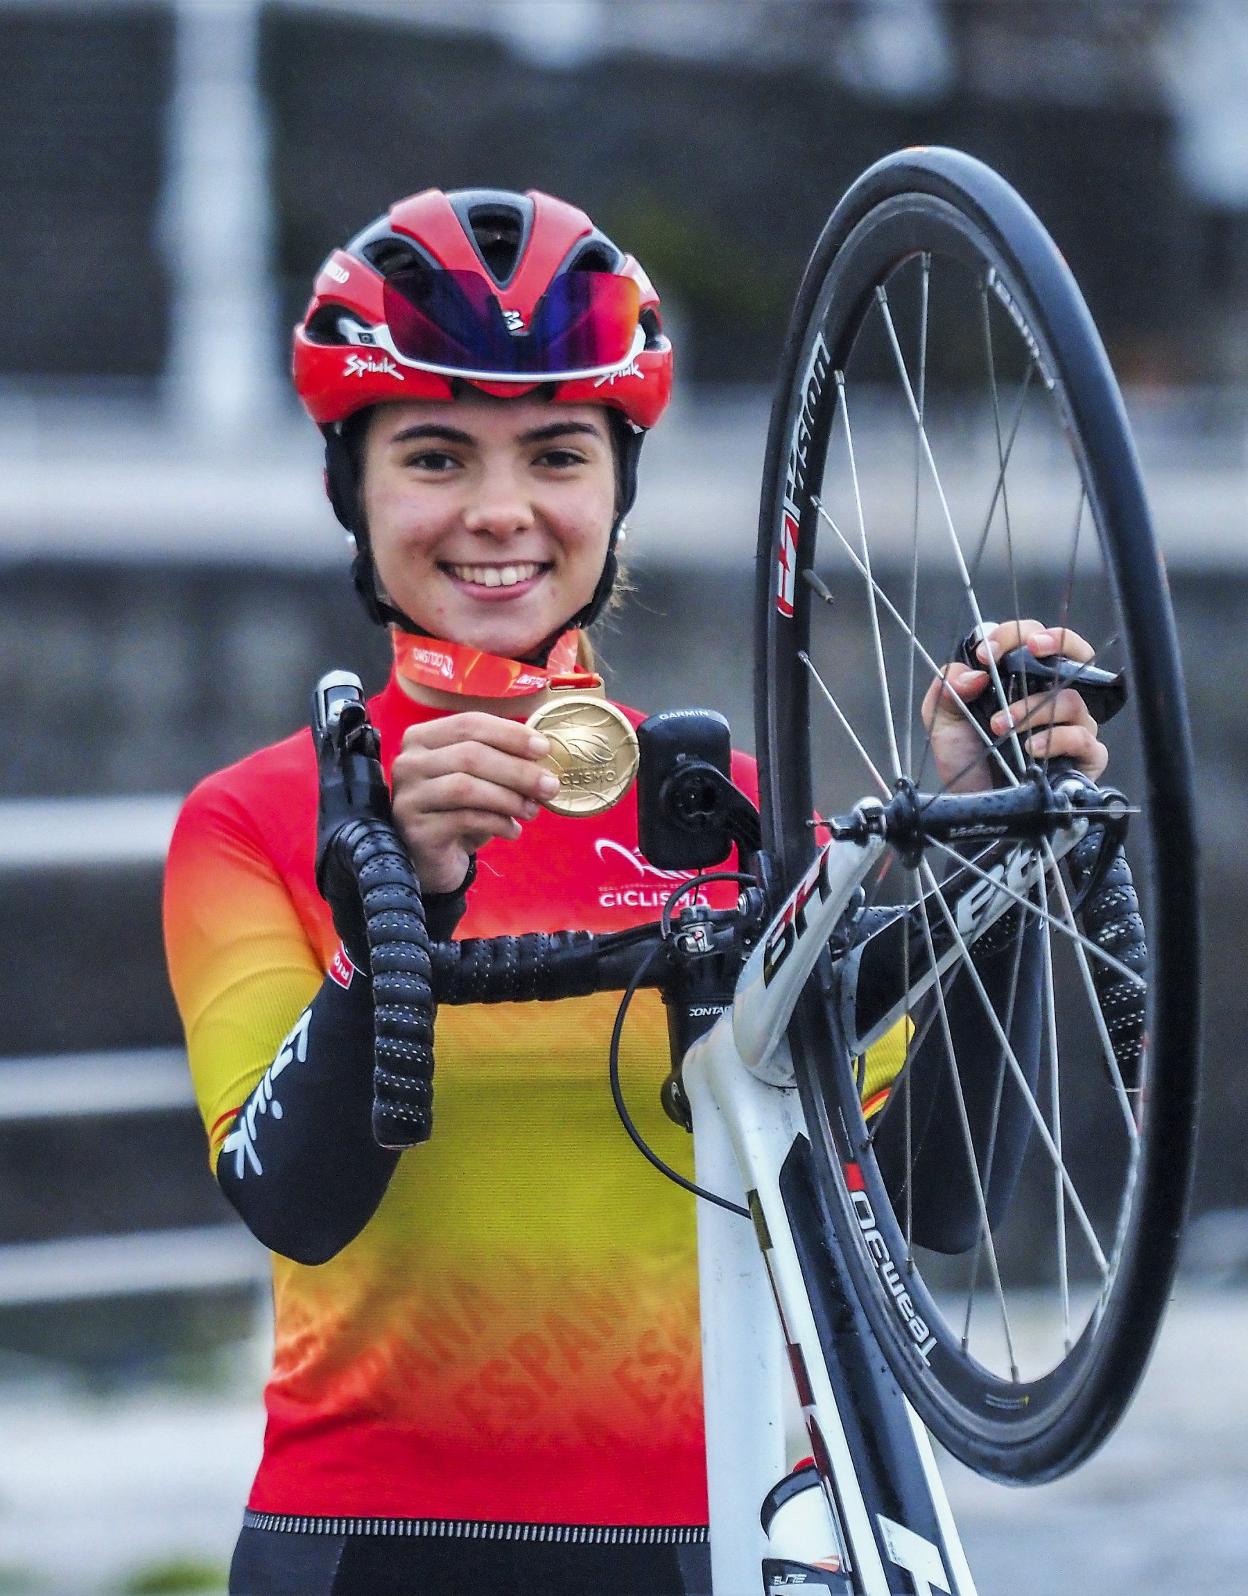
(489, 519)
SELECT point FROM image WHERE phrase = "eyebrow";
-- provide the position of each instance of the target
(445, 434)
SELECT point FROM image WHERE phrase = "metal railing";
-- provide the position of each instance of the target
(80, 1268)
(63, 832)
(47, 833)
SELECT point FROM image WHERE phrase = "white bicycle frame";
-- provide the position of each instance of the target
(747, 1118)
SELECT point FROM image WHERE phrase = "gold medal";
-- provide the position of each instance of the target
(593, 749)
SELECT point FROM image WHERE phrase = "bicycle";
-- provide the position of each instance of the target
(894, 917)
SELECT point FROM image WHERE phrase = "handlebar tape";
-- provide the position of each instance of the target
(538, 965)
(1111, 918)
(398, 946)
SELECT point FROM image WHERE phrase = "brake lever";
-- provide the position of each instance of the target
(348, 755)
(335, 692)
(1022, 674)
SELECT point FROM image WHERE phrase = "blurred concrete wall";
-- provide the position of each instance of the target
(716, 164)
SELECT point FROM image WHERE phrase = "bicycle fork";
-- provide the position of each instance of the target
(888, 1528)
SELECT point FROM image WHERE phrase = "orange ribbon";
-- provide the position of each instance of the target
(456, 668)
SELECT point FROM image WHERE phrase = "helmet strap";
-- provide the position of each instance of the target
(628, 441)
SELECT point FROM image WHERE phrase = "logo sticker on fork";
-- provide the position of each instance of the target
(985, 902)
(793, 923)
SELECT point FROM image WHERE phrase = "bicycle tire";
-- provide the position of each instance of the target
(909, 215)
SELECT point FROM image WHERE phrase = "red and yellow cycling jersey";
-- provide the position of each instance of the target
(514, 1334)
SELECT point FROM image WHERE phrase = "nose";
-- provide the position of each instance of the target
(500, 507)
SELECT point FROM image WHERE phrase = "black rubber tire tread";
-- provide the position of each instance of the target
(1071, 1412)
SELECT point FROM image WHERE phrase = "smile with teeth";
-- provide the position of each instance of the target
(495, 575)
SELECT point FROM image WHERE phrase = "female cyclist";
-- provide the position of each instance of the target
(486, 1371)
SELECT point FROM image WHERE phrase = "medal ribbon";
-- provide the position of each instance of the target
(456, 668)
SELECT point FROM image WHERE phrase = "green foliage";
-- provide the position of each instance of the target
(174, 1575)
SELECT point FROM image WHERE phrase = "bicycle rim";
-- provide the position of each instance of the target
(948, 447)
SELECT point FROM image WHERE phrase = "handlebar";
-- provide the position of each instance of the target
(365, 874)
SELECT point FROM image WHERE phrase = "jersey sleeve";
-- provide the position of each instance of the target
(240, 963)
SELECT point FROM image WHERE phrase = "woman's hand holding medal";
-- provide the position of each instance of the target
(460, 781)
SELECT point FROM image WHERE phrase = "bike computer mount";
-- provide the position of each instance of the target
(690, 813)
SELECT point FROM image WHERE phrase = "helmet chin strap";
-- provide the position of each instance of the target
(342, 489)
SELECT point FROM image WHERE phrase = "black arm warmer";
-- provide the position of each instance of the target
(299, 1163)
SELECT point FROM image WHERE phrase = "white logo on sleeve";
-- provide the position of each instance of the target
(242, 1139)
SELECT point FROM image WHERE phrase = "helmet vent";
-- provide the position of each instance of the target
(331, 324)
(595, 258)
(391, 255)
(497, 232)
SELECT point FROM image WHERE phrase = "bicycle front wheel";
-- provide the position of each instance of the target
(1008, 1171)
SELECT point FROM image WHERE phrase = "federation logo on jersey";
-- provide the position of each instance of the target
(644, 886)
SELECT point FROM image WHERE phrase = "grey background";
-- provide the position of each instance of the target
(171, 581)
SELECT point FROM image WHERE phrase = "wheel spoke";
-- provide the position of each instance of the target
(1055, 1114)
(1077, 942)
(917, 1040)
(991, 745)
(998, 487)
(998, 490)
(1016, 1070)
(925, 278)
(1067, 928)
(844, 720)
(968, 586)
(990, 358)
(890, 729)
(994, 1126)
(964, 1123)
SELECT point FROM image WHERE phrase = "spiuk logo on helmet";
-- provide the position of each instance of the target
(361, 365)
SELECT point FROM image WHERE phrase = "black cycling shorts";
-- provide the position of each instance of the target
(275, 1563)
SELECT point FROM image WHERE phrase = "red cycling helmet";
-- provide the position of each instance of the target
(509, 293)
(505, 291)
